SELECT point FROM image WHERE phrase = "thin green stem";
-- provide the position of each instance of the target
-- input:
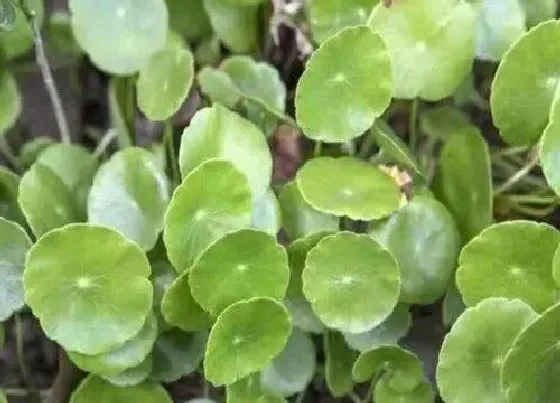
(413, 124)
(20, 351)
(46, 73)
(317, 149)
(130, 109)
(516, 177)
(510, 151)
(534, 212)
(531, 199)
(170, 147)
(104, 143)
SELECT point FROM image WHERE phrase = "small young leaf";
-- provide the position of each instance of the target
(299, 218)
(443, 121)
(463, 181)
(472, 353)
(266, 214)
(394, 147)
(95, 390)
(31, 150)
(164, 82)
(530, 368)
(199, 214)
(217, 132)
(384, 393)
(14, 244)
(292, 369)
(219, 87)
(352, 71)
(241, 265)
(180, 309)
(339, 360)
(90, 271)
(342, 273)
(390, 331)
(327, 17)
(189, 19)
(245, 338)
(177, 354)
(132, 353)
(529, 70)
(134, 31)
(19, 39)
(348, 186)
(430, 60)
(130, 194)
(132, 376)
(499, 263)
(424, 239)
(9, 208)
(45, 200)
(249, 390)
(236, 26)
(162, 277)
(10, 100)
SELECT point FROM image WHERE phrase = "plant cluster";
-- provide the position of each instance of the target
(147, 264)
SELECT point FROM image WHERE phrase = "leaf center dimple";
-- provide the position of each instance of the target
(83, 283)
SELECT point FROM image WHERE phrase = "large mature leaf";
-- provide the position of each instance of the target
(351, 70)
(94, 389)
(199, 214)
(90, 271)
(245, 338)
(473, 351)
(164, 82)
(217, 132)
(130, 194)
(463, 181)
(19, 39)
(119, 35)
(341, 274)
(10, 101)
(510, 259)
(240, 265)
(348, 187)
(530, 69)
(14, 244)
(431, 44)
(424, 239)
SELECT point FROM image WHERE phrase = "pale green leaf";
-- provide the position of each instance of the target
(96, 390)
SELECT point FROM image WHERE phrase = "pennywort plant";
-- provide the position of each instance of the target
(188, 259)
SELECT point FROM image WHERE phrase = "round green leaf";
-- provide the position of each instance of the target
(339, 360)
(530, 69)
(549, 150)
(188, 18)
(245, 338)
(31, 150)
(45, 200)
(132, 353)
(348, 186)
(424, 239)
(443, 121)
(473, 351)
(299, 307)
(539, 11)
(352, 71)
(14, 244)
(394, 147)
(130, 194)
(219, 87)
(199, 214)
(9, 208)
(327, 17)
(132, 376)
(19, 39)
(390, 331)
(384, 393)
(118, 35)
(177, 354)
(164, 82)
(180, 309)
(299, 218)
(510, 259)
(99, 295)
(75, 166)
(240, 265)
(94, 389)
(530, 369)
(404, 371)
(463, 181)
(341, 275)
(236, 26)
(292, 370)
(10, 101)
(217, 132)
(266, 214)
(431, 45)
(499, 23)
